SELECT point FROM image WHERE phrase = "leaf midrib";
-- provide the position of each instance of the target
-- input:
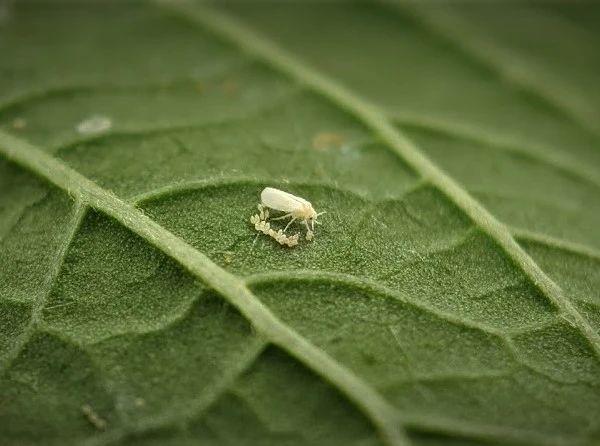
(370, 115)
(384, 416)
(380, 412)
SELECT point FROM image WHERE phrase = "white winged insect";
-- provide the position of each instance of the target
(296, 208)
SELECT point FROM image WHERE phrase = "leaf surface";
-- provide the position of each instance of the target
(450, 296)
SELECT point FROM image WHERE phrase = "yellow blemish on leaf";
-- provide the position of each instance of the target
(328, 140)
(230, 87)
(19, 124)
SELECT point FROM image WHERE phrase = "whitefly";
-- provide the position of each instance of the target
(295, 208)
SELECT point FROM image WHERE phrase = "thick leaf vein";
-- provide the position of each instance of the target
(232, 30)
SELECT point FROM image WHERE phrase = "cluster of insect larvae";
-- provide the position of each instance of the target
(296, 208)
(262, 225)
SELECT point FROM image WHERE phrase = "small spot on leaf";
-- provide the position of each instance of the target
(19, 124)
(328, 140)
(230, 87)
(94, 419)
(94, 125)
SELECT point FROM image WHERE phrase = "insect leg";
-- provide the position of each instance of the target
(316, 221)
(291, 221)
(309, 233)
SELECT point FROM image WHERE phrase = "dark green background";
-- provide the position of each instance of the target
(450, 297)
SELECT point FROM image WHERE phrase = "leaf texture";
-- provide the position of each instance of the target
(450, 297)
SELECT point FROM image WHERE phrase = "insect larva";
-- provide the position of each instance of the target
(296, 208)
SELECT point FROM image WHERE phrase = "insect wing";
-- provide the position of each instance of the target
(280, 200)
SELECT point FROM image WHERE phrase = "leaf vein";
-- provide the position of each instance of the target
(23, 98)
(381, 413)
(503, 336)
(556, 243)
(78, 213)
(195, 408)
(147, 130)
(522, 73)
(370, 115)
(543, 154)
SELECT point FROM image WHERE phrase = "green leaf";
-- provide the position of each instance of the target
(451, 295)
